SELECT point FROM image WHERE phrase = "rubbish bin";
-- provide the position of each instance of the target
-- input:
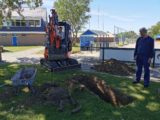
(1, 50)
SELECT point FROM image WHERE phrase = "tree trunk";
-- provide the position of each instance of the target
(105, 92)
(75, 36)
(75, 39)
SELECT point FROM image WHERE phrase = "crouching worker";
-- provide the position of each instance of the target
(144, 52)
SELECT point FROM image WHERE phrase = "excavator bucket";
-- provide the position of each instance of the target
(60, 65)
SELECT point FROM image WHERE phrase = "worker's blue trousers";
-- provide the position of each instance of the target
(142, 62)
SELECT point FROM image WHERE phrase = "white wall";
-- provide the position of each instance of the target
(119, 54)
(123, 54)
(157, 57)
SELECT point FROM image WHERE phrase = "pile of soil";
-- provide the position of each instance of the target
(41, 93)
(51, 92)
(46, 94)
(104, 91)
(115, 67)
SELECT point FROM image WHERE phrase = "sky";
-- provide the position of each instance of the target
(126, 14)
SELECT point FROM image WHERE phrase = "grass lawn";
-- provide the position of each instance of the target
(18, 48)
(75, 49)
(145, 107)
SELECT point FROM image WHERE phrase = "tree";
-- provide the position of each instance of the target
(154, 30)
(7, 6)
(75, 12)
(129, 34)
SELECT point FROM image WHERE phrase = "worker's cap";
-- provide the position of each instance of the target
(53, 11)
(143, 30)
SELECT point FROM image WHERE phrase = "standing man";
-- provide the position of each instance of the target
(144, 52)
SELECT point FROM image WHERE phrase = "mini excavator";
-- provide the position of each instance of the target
(58, 46)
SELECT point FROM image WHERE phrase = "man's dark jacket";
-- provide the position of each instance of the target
(144, 47)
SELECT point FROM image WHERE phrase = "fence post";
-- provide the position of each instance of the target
(0, 56)
(91, 48)
(154, 59)
(1, 50)
(103, 54)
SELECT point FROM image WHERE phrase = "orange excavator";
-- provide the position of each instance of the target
(58, 46)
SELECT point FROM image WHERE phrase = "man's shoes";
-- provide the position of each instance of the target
(146, 86)
(135, 82)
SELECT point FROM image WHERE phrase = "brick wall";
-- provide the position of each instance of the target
(23, 39)
(5, 40)
(31, 39)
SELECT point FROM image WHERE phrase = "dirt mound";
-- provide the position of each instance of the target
(104, 91)
(114, 67)
(52, 92)
(46, 94)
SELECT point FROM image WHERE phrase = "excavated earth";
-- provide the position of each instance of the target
(105, 92)
(115, 67)
(94, 84)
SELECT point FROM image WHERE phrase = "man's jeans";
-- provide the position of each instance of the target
(142, 62)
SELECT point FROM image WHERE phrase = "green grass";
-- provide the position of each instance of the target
(76, 45)
(145, 107)
(18, 48)
(75, 49)
(40, 52)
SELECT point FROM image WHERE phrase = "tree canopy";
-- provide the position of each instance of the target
(154, 30)
(131, 34)
(7, 6)
(75, 12)
(128, 34)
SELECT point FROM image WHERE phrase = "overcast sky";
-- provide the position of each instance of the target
(127, 14)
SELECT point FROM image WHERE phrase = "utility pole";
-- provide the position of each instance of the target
(89, 23)
(98, 18)
(103, 22)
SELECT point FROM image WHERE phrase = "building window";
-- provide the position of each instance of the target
(27, 23)
(23, 23)
(18, 23)
(37, 23)
(32, 23)
(13, 23)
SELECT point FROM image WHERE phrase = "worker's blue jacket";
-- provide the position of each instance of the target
(144, 47)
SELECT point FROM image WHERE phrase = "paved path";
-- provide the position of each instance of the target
(155, 75)
(31, 56)
(157, 45)
(26, 56)
(87, 59)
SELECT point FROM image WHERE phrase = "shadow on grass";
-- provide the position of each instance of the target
(146, 105)
(3, 117)
(5, 50)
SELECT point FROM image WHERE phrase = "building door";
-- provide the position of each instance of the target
(14, 40)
